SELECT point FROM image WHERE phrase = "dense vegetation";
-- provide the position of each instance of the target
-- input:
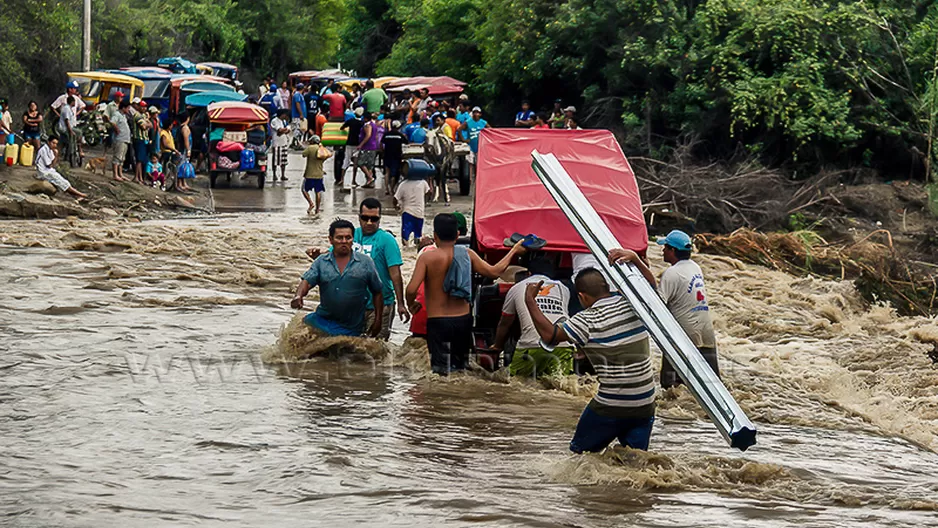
(41, 40)
(798, 82)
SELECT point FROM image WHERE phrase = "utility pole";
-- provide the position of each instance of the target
(86, 37)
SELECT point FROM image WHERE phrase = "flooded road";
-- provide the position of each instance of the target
(132, 393)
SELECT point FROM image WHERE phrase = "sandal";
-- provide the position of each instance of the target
(533, 242)
(513, 239)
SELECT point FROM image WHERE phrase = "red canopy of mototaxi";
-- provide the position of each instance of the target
(236, 112)
(429, 81)
(433, 89)
(511, 199)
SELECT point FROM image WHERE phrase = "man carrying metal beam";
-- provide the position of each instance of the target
(616, 343)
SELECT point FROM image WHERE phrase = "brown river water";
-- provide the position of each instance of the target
(137, 389)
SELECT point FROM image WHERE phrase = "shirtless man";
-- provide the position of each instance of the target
(447, 277)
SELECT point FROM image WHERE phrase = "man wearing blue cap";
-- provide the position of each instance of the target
(71, 90)
(682, 289)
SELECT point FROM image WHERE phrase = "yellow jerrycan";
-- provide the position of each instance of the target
(27, 152)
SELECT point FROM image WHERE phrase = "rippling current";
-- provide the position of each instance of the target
(133, 393)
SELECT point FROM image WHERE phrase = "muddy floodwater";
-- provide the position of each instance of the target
(133, 392)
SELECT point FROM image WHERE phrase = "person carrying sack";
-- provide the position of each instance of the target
(316, 154)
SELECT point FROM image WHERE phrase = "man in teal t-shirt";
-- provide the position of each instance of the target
(473, 128)
(382, 247)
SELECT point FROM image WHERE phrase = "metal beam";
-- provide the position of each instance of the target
(706, 387)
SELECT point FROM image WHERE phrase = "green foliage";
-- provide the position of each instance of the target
(795, 82)
(366, 34)
(40, 40)
(803, 82)
(437, 39)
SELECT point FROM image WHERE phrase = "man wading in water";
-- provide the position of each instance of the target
(381, 247)
(616, 343)
(447, 274)
(345, 279)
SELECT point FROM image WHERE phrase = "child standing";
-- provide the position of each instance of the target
(410, 198)
(155, 172)
(315, 155)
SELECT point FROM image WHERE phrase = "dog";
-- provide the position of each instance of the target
(97, 163)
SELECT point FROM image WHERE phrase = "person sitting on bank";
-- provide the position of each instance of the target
(683, 292)
(448, 274)
(46, 160)
(345, 278)
(530, 358)
(616, 343)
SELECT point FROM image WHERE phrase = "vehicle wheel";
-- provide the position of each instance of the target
(261, 179)
(212, 177)
(465, 182)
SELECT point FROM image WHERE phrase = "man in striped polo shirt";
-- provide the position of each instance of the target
(616, 343)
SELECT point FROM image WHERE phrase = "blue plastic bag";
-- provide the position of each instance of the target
(186, 171)
(247, 159)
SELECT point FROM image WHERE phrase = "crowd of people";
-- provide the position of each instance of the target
(144, 147)
(140, 142)
(567, 325)
(378, 125)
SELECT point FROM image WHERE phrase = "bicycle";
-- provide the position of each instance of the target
(170, 170)
(71, 150)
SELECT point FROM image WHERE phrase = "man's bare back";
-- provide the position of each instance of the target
(431, 270)
(440, 303)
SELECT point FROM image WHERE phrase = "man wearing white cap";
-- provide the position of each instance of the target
(682, 290)
(569, 114)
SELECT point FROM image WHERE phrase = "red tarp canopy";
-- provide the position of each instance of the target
(510, 198)
(235, 112)
(433, 89)
(429, 81)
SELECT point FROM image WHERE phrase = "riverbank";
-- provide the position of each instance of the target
(23, 196)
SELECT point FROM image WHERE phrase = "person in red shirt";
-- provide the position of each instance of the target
(540, 121)
(337, 104)
(418, 321)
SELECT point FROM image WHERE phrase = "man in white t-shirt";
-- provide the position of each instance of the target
(78, 105)
(682, 290)
(280, 143)
(410, 198)
(531, 357)
(46, 160)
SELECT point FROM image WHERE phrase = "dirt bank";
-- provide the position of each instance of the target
(23, 196)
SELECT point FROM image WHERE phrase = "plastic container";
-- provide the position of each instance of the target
(11, 154)
(417, 169)
(27, 152)
(11, 139)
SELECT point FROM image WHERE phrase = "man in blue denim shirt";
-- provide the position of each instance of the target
(344, 278)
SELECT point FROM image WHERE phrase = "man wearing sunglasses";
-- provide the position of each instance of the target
(381, 246)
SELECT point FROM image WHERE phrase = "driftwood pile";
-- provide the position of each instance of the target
(878, 271)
